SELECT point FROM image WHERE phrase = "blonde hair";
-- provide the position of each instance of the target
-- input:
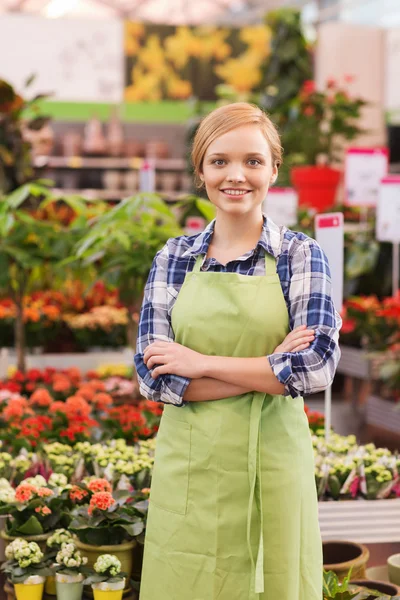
(228, 117)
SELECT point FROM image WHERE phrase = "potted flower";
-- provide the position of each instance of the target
(107, 581)
(319, 123)
(7, 497)
(68, 568)
(34, 514)
(110, 524)
(26, 569)
(54, 543)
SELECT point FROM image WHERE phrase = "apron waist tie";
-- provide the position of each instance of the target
(254, 467)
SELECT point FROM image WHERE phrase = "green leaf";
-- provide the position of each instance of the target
(134, 529)
(206, 208)
(31, 527)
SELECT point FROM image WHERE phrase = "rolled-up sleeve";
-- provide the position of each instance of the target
(310, 303)
(155, 325)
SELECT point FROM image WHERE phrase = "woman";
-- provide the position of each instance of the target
(233, 507)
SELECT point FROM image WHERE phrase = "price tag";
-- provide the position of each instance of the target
(329, 233)
(281, 205)
(388, 210)
(364, 169)
(75, 162)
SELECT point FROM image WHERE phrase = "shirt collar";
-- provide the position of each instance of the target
(270, 239)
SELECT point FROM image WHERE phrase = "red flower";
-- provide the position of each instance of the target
(77, 494)
(330, 82)
(100, 485)
(348, 326)
(101, 501)
(349, 78)
(308, 87)
(33, 375)
(43, 510)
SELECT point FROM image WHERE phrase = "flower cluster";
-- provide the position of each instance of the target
(345, 470)
(107, 564)
(26, 553)
(58, 480)
(59, 537)
(101, 501)
(7, 492)
(70, 557)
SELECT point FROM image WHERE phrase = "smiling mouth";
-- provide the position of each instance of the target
(235, 192)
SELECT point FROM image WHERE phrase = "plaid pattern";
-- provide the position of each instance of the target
(305, 279)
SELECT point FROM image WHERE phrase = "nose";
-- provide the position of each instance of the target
(235, 174)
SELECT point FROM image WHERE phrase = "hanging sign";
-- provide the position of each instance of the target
(388, 210)
(329, 233)
(280, 205)
(364, 169)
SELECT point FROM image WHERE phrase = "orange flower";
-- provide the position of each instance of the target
(43, 510)
(16, 409)
(44, 492)
(51, 312)
(25, 492)
(76, 406)
(41, 397)
(31, 314)
(86, 391)
(61, 383)
(101, 501)
(102, 400)
(77, 494)
(57, 407)
(100, 485)
(97, 385)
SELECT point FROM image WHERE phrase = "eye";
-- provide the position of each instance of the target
(218, 162)
(254, 162)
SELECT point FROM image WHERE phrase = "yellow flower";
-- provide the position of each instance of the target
(181, 46)
(179, 88)
(258, 38)
(213, 43)
(145, 86)
(133, 32)
(152, 55)
(242, 73)
(11, 370)
(32, 238)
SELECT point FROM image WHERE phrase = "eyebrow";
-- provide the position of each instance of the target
(247, 155)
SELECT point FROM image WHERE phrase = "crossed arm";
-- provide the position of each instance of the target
(216, 377)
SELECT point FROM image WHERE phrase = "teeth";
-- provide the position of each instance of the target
(235, 192)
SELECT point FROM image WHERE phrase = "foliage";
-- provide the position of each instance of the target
(333, 589)
(106, 568)
(15, 151)
(109, 519)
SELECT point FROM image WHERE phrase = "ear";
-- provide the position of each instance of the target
(274, 175)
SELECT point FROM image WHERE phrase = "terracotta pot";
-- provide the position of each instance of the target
(378, 586)
(341, 556)
(316, 186)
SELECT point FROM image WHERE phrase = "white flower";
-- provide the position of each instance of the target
(69, 556)
(26, 553)
(7, 495)
(108, 563)
(5, 484)
(38, 481)
(59, 537)
(58, 480)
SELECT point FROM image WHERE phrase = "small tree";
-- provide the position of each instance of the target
(29, 246)
(122, 243)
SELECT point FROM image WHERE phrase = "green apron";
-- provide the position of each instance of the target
(233, 508)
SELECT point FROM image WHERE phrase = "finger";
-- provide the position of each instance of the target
(295, 335)
(152, 349)
(156, 360)
(163, 370)
(301, 347)
(299, 328)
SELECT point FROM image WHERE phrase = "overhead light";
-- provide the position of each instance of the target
(59, 8)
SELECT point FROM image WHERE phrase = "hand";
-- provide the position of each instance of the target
(174, 359)
(298, 339)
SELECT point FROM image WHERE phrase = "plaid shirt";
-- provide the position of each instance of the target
(304, 274)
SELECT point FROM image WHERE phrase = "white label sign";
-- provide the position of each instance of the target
(388, 210)
(329, 234)
(281, 206)
(364, 169)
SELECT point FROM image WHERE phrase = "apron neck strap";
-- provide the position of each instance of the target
(270, 264)
(199, 260)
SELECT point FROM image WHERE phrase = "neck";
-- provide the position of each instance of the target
(233, 230)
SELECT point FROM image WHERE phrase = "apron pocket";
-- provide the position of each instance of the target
(170, 481)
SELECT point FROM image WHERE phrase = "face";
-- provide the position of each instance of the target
(237, 170)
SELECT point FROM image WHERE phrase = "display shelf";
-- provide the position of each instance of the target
(365, 521)
(101, 194)
(80, 162)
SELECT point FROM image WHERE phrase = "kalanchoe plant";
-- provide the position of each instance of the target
(59, 537)
(24, 559)
(109, 518)
(69, 560)
(36, 510)
(106, 569)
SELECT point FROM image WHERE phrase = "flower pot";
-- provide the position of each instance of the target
(124, 553)
(108, 591)
(50, 586)
(378, 586)
(69, 587)
(31, 589)
(39, 539)
(316, 186)
(341, 556)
